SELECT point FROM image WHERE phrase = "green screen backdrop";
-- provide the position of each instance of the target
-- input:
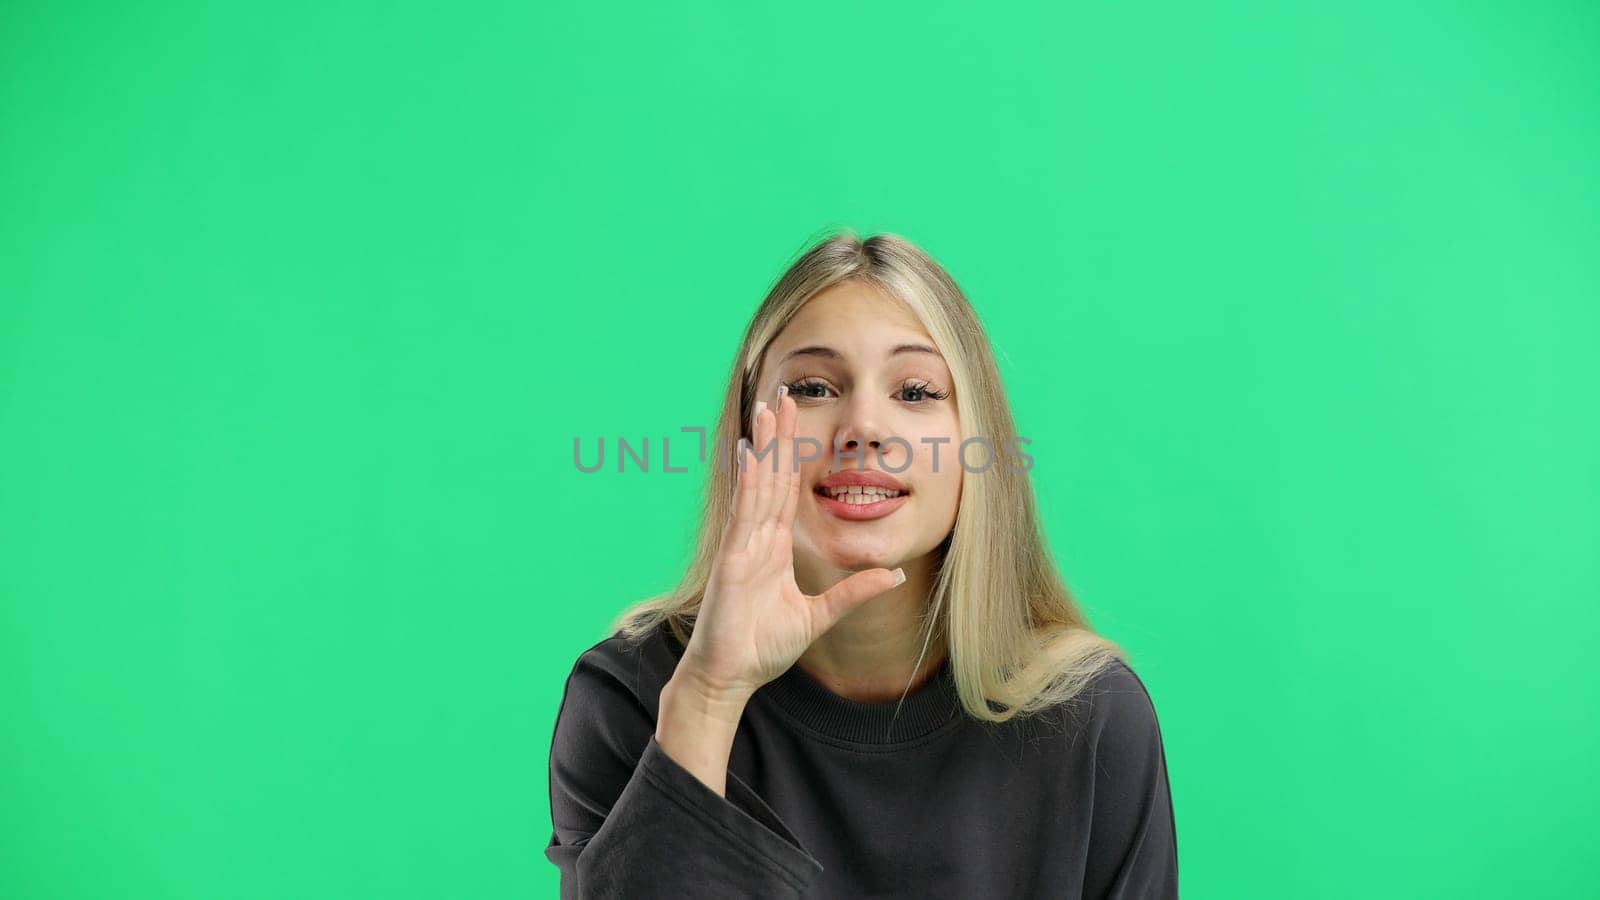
(302, 306)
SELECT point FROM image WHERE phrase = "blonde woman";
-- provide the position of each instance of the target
(872, 681)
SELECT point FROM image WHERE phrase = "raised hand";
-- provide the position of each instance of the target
(754, 620)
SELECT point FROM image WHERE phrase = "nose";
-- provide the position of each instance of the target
(863, 430)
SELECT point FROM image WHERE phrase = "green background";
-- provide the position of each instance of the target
(302, 306)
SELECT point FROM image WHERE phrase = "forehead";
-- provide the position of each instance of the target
(851, 316)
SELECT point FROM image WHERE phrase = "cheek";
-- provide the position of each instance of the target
(946, 486)
(812, 438)
(933, 454)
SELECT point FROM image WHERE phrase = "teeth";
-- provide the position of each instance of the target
(856, 494)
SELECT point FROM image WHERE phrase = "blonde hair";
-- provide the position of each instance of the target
(1017, 641)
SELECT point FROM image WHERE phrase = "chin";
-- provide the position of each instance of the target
(858, 558)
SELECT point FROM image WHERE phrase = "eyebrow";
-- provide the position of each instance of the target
(830, 353)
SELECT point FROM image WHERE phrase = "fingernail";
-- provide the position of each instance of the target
(783, 391)
(899, 577)
(760, 405)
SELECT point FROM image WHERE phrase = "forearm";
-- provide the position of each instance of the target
(696, 728)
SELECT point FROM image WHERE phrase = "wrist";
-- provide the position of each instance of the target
(690, 691)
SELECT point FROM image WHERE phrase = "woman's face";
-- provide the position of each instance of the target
(862, 371)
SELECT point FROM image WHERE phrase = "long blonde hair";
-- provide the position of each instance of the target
(1016, 639)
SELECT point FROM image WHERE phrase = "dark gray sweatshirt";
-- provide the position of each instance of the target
(834, 798)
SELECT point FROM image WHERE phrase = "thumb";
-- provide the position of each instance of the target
(837, 602)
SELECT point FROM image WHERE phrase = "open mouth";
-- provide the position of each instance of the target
(858, 494)
(860, 502)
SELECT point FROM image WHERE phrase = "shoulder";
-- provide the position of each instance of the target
(1132, 843)
(1121, 714)
(603, 726)
(621, 670)
(610, 658)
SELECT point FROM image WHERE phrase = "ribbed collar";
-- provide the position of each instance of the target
(930, 705)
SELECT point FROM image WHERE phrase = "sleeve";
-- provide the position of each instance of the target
(1133, 844)
(629, 821)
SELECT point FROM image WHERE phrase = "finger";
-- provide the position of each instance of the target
(782, 424)
(837, 602)
(755, 418)
(743, 519)
(791, 486)
(764, 472)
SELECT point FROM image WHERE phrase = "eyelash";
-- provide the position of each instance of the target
(797, 388)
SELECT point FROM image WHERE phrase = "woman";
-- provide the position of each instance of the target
(872, 681)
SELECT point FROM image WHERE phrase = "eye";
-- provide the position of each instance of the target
(808, 389)
(914, 392)
(920, 391)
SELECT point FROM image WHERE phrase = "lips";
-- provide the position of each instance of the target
(861, 494)
(862, 478)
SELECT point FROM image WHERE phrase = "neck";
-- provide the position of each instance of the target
(871, 655)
